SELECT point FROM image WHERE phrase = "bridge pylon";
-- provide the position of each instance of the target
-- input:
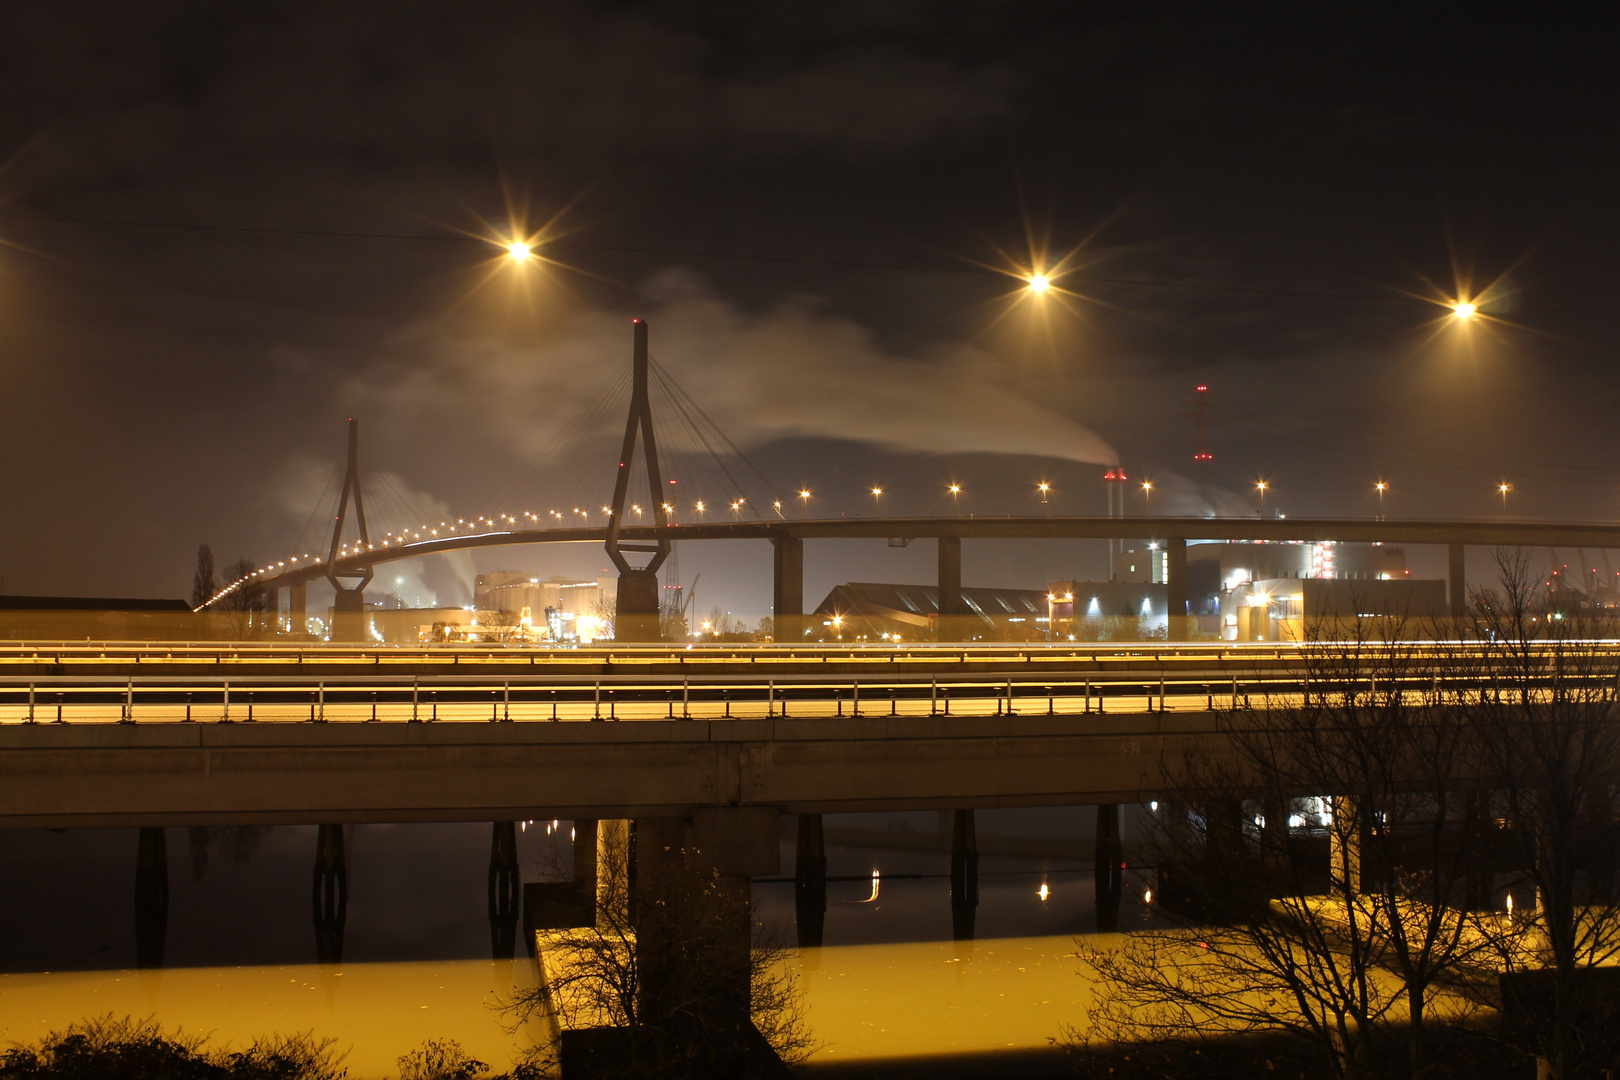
(349, 603)
(635, 615)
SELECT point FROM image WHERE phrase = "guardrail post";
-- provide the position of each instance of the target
(506, 701)
(416, 698)
(30, 703)
(1161, 691)
(933, 696)
(1088, 696)
(225, 714)
(129, 702)
(1009, 699)
(854, 697)
(596, 713)
(770, 697)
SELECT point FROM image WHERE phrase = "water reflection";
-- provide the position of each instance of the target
(151, 897)
(330, 894)
(956, 889)
(505, 890)
(810, 881)
(964, 875)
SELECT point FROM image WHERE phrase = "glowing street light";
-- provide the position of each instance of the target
(1045, 489)
(804, 502)
(1503, 489)
(877, 499)
(1260, 486)
(1039, 283)
(518, 251)
(1147, 494)
(1381, 487)
(1462, 310)
(956, 492)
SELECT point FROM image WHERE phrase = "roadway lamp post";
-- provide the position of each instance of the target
(1260, 486)
(1147, 497)
(877, 501)
(956, 492)
(1503, 489)
(1381, 486)
(804, 503)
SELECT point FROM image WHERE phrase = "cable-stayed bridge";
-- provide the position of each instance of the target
(637, 519)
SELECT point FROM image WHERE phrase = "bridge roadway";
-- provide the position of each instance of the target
(219, 734)
(787, 536)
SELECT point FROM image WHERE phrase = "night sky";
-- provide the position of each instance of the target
(262, 219)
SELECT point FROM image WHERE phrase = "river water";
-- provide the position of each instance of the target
(238, 954)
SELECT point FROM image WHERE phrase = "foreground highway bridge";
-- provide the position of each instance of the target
(212, 734)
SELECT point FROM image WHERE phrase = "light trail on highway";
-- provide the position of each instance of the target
(278, 683)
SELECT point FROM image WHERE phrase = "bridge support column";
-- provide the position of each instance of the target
(151, 898)
(1457, 583)
(349, 615)
(635, 614)
(505, 890)
(694, 930)
(1108, 868)
(330, 894)
(1344, 844)
(1175, 588)
(787, 588)
(952, 624)
(810, 881)
(964, 875)
(297, 604)
(272, 612)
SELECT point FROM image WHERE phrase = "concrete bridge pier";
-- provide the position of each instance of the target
(787, 588)
(505, 890)
(297, 603)
(964, 875)
(635, 613)
(810, 881)
(349, 614)
(953, 623)
(329, 895)
(151, 897)
(1109, 869)
(1457, 579)
(693, 925)
(1175, 588)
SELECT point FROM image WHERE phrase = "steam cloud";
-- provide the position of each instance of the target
(787, 372)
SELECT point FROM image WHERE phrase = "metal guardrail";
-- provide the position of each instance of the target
(425, 698)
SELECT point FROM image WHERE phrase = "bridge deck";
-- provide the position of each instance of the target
(192, 774)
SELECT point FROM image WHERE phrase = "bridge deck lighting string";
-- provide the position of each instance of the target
(538, 249)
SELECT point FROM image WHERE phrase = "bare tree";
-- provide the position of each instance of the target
(646, 966)
(203, 585)
(1548, 720)
(246, 603)
(1368, 754)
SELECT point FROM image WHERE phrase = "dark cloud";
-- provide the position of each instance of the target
(166, 386)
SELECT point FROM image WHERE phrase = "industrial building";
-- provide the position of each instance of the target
(1247, 591)
(868, 611)
(555, 608)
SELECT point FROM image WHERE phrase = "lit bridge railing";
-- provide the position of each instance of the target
(454, 698)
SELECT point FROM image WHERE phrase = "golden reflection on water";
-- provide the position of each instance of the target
(941, 997)
(381, 1010)
(864, 1001)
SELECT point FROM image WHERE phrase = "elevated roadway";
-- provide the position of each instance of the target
(787, 537)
